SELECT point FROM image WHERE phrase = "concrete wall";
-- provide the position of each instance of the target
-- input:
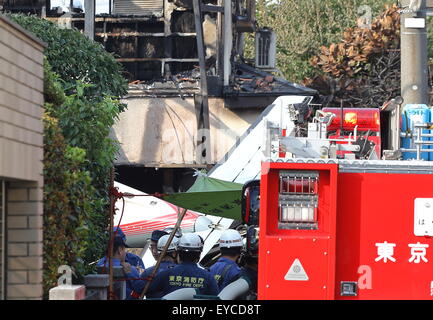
(21, 154)
(162, 132)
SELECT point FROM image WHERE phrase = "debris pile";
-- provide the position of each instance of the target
(182, 84)
(363, 70)
(254, 84)
(250, 80)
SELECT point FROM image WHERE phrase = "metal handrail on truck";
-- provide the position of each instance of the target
(418, 142)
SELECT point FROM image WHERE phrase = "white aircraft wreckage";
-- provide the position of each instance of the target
(143, 214)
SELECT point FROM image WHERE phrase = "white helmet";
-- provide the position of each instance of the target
(190, 242)
(163, 241)
(231, 239)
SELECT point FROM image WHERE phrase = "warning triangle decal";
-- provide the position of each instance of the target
(296, 272)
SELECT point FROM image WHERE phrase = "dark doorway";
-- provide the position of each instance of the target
(151, 180)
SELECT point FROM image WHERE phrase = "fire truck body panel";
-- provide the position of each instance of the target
(364, 246)
(280, 248)
(375, 213)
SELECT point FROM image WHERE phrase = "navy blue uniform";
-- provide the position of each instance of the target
(131, 258)
(225, 271)
(133, 274)
(139, 285)
(184, 275)
(135, 261)
(164, 265)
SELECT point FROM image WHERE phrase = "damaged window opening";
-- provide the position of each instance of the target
(156, 43)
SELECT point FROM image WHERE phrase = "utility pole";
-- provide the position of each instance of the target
(89, 19)
(414, 60)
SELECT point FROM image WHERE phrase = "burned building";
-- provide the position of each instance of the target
(192, 92)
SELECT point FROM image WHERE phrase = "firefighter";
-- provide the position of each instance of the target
(168, 261)
(249, 270)
(170, 258)
(131, 258)
(187, 274)
(178, 233)
(226, 269)
(156, 234)
(118, 259)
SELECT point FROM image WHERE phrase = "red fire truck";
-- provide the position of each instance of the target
(344, 224)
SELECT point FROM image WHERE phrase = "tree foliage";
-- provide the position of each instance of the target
(86, 124)
(363, 69)
(303, 27)
(75, 58)
(350, 56)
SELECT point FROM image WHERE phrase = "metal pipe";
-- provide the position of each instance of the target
(423, 142)
(418, 146)
(414, 150)
(409, 135)
(228, 41)
(427, 126)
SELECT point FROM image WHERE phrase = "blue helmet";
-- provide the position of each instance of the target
(156, 234)
(119, 234)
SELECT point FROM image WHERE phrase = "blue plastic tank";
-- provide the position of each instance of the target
(411, 114)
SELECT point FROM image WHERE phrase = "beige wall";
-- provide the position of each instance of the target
(162, 131)
(21, 154)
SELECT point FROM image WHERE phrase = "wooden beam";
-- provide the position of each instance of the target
(157, 59)
(212, 8)
(143, 34)
(201, 101)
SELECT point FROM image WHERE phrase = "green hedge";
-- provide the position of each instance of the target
(68, 197)
(82, 87)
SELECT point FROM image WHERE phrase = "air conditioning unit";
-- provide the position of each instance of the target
(266, 42)
(138, 7)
